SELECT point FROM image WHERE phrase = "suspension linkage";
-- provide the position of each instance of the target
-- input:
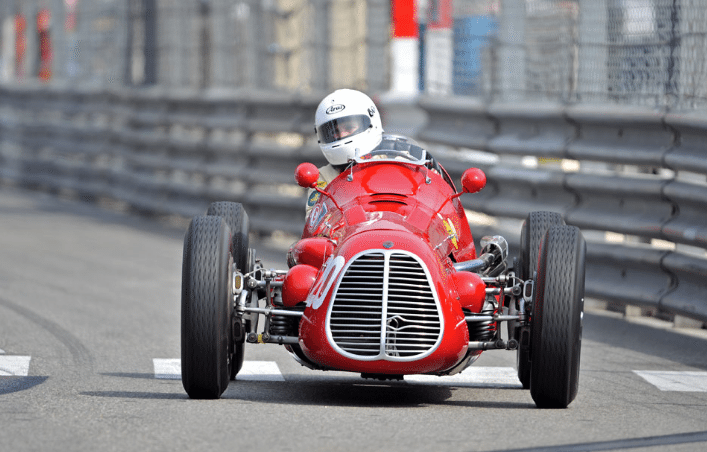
(494, 318)
(273, 311)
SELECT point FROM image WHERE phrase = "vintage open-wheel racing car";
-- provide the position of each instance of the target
(386, 282)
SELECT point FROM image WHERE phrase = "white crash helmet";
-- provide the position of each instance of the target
(348, 125)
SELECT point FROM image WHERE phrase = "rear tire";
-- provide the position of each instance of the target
(531, 234)
(556, 319)
(207, 307)
(237, 219)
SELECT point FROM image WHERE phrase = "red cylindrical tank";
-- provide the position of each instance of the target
(471, 289)
(298, 281)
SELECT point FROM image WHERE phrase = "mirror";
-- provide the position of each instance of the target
(307, 175)
(473, 180)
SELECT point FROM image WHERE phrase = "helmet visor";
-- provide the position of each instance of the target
(340, 128)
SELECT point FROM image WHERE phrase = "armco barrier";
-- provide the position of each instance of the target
(163, 152)
(689, 153)
(663, 194)
(619, 135)
(174, 152)
(525, 129)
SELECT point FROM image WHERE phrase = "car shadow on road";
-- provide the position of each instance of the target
(135, 395)
(12, 384)
(141, 376)
(365, 394)
(337, 392)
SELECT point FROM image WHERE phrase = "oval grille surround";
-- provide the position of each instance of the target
(385, 307)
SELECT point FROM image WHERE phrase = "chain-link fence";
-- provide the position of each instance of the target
(637, 52)
(301, 45)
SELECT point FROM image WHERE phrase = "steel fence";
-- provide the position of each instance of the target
(289, 45)
(646, 225)
(625, 52)
(162, 152)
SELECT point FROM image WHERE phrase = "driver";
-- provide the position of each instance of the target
(348, 125)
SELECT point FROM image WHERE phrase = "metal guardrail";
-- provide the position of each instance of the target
(164, 152)
(654, 201)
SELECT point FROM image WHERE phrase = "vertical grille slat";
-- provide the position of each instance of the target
(388, 291)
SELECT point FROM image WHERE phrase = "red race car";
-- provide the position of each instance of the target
(386, 282)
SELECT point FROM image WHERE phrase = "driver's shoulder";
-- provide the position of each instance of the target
(327, 173)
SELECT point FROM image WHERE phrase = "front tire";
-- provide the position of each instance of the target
(531, 235)
(207, 307)
(237, 219)
(556, 319)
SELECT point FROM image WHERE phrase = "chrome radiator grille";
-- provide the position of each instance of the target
(384, 308)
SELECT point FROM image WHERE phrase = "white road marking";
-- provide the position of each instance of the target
(485, 377)
(480, 377)
(14, 366)
(168, 369)
(675, 380)
(171, 369)
(260, 371)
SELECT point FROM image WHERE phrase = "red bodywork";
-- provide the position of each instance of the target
(406, 212)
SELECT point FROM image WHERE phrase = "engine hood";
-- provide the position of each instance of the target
(387, 234)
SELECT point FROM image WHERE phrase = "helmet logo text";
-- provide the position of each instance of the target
(335, 109)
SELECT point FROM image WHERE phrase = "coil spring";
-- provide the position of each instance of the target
(482, 331)
(280, 325)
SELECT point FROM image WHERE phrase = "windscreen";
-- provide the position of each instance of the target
(397, 149)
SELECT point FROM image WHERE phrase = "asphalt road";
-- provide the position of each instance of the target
(89, 308)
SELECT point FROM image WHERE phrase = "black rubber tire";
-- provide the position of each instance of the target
(237, 219)
(207, 308)
(531, 234)
(556, 319)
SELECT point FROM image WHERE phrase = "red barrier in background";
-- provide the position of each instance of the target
(404, 21)
(20, 45)
(44, 18)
